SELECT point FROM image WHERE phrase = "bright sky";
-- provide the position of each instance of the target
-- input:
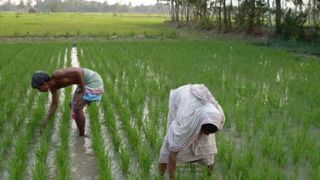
(133, 2)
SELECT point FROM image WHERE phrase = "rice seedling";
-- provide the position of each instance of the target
(63, 152)
(17, 165)
(269, 97)
(253, 118)
(98, 145)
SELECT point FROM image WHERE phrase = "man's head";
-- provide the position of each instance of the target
(40, 81)
(208, 129)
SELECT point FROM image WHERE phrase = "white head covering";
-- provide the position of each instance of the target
(185, 128)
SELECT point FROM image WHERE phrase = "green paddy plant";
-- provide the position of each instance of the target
(133, 135)
(271, 125)
(41, 170)
(19, 115)
(17, 165)
(110, 123)
(232, 70)
(110, 119)
(98, 144)
(124, 159)
(9, 135)
(145, 160)
(63, 151)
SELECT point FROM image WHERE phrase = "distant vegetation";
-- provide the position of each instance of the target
(291, 19)
(83, 24)
(81, 6)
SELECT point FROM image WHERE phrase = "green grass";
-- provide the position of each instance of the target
(87, 24)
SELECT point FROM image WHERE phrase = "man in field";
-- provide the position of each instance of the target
(90, 89)
(194, 116)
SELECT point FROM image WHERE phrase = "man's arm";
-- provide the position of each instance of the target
(53, 106)
(81, 82)
(172, 164)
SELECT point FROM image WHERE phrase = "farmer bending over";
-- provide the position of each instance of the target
(194, 116)
(90, 88)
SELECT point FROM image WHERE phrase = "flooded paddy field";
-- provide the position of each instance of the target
(271, 101)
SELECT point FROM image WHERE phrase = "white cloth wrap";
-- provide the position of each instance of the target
(190, 107)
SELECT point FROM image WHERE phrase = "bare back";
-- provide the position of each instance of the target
(65, 77)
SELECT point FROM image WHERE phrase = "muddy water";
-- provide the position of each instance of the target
(74, 57)
(83, 159)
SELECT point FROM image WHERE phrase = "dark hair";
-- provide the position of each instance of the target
(210, 128)
(39, 78)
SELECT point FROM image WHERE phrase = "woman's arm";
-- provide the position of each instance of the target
(172, 164)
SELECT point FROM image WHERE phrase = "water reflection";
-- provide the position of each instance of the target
(84, 165)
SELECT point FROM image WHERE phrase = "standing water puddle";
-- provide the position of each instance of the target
(83, 159)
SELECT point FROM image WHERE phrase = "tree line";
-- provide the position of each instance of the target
(298, 19)
(80, 6)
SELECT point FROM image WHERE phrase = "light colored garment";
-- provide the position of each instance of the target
(93, 82)
(190, 107)
(93, 89)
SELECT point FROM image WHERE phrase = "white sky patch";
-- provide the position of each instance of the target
(133, 2)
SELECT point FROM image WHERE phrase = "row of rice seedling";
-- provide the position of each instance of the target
(10, 136)
(17, 165)
(254, 118)
(98, 144)
(40, 169)
(145, 157)
(18, 83)
(38, 150)
(119, 96)
(132, 133)
(269, 98)
(63, 150)
(18, 162)
(134, 85)
(8, 72)
(110, 120)
(264, 93)
(110, 117)
(62, 156)
(104, 162)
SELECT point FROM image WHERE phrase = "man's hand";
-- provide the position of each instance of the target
(78, 96)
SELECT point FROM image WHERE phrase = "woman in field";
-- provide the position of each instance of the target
(90, 89)
(194, 116)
